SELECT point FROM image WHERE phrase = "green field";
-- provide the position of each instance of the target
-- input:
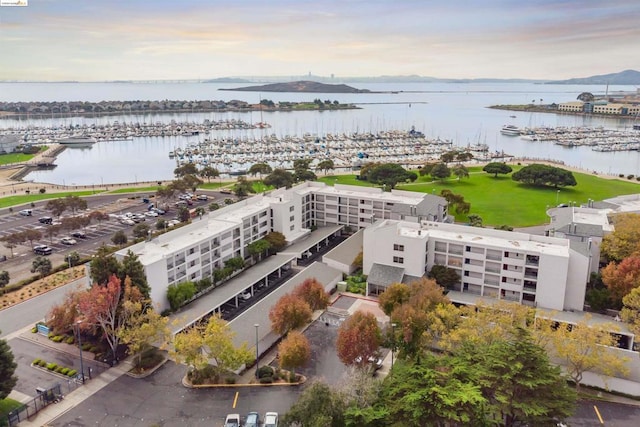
(503, 201)
(7, 405)
(6, 159)
(22, 199)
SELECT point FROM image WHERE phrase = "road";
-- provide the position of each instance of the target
(613, 414)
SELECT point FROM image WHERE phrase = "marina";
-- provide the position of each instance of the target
(598, 138)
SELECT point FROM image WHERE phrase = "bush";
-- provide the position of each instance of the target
(42, 190)
(36, 362)
(43, 363)
(266, 380)
(59, 369)
(72, 373)
(229, 380)
(51, 366)
(69, 340)
(630, 176)
(64, 371)
(57, 338)
(620, 175)
(265, 371)
(86, 346)
(34, 330)
(292, 377)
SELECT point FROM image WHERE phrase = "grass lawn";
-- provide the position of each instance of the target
(28, 198)
(7, 405)
(345, 179)
(502, 201)
(6, 159)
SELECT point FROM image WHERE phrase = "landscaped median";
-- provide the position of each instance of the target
(267, 376)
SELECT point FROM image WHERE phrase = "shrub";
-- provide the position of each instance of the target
(86, 346)
(57, 338)
(229, 380)
(69, 340)
(266, 380)
(630, 176)
(620, 175)
(265, 371)
(51, 366)
(292, 377)
(43, 363)
(42, 190)
(34, 330)
(72, 373)
(36, 361)
(59, 369)
(64, 371)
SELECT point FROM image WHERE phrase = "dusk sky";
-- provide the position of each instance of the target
(91, 40)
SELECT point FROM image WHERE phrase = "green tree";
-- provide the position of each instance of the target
(213, 207)
(496, 168)
(389, 175)
(144, 329)
(301, 171)
(73, 258)
(624, 240)
(325, 166)
(258, 248)
(242, 187)
(183, 214)
(209, 172)
(7, 369)
(12, 240)
(444, 276)
(179, 293)
(75, 203)
(475, 220)
(141, 231)
(132, 268)
(460, 171)
(56, 206)
(103, 266)
(41, 265)
(440, 171)
(318, 406)
(260, 168)
(586, 97)
(631, 310)
(119, 238)
(189, 182)
(367, 168)
(279, 178)
(544, 175)
(426, 169)
(185, 169)
(4, 278)
(277, 241)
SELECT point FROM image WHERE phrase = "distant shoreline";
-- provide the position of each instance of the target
(547, 109)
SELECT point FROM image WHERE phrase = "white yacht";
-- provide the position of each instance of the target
(510, 130)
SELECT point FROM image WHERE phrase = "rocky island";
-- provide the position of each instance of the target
(301, 86)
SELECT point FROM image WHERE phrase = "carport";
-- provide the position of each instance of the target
(313, 242)
(213, 301)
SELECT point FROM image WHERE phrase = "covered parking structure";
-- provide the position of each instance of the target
(247, 281)
(313, 242)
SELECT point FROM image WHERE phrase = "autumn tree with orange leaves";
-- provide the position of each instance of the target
(359, 339)
(313, 293)
(621, 278)
(290, 312)
(61, 317)
(294, 351)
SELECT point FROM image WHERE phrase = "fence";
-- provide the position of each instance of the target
(44, 398)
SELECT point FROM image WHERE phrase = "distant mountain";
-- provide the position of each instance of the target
(626, 77)
(227, 80)
(301, 86)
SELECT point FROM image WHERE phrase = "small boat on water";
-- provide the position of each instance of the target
(510, 130)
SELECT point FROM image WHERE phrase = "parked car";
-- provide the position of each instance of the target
(79, 234)
(159, 211)
(232, 420)
(253, 420)
(151, 213)
(245, 295)
(26, 212)
(202, 197)
(68, 241)
(42, 250)
(127, 221)
(374, 362)
(45, 220)
(271, 419)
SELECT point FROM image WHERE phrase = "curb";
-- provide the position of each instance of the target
(145, 374)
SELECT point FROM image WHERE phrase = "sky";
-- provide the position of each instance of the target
(96, 40)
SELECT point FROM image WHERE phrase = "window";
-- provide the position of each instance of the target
(398, 260)
(291, 208)
(397, 247)
(292, 227)
(291, 218)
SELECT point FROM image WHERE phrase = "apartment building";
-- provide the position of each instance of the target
(540, 271)
(194, 251)
(573, 106)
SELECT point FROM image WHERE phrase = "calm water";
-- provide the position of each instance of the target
(450, 111)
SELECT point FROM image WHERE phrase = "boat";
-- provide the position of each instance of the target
(77, 140)
(510, 130)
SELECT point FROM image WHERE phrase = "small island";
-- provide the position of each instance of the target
(301, 86)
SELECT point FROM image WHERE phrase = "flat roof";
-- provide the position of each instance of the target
(346, 251)
(218, 296)
(315, 237)
(258, 314)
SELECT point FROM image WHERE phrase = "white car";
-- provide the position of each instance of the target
(151, 213)
(202, 197)
(26, 212)
(127, 221)
(245, 295)
(232, 420)
(68, 241)
(271, 419)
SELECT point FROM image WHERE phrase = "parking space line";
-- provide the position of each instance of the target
(595, 408)
(235, 399)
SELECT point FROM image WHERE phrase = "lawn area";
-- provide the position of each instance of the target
(345, 179)
(6, 159)
(28, 198)
(7, 405)
(502, 201)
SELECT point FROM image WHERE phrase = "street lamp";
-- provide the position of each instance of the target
(78, 322)
(557, 196)
(257, 354)
(393, 342)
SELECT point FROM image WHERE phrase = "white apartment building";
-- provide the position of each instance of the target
(572, 106)
(535, 270)
(194, 251)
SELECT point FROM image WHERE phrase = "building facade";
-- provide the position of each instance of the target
(539, 271)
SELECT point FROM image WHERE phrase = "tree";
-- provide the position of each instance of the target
(209, 172)
(184, 215)
(30, 235)
(475, 220)
(213, 207)
(164, 194)
(294, 351)
(260, 168)
(460, 171)
(189, 182)
(359, 390)
(312, 292)
(318, 406)
(141, 231)
(12, 240)
(132, 268)
(258, 248)
(585, 97)
(359, 339)
(56, 206)
(279, 178)
(144, 329)
(290, 312)
(325, 166)
(625, 239)
(394, 296)
(367, 168)
(441, 171)
(52, 230)
(242, 187)
(497, 168)
(7, 369)
(210, 342)
(119, 238)
(517, 380)
(277, 241)
(41, 265)
(73, 258)
(582, 348)
(444, 276)
(98, 216)
(389, 175)
(75, 203)
(621, 278)
(103, 266)
(631, 310)
(185, 169)
(301, 170)
(4, 278)
(426, 169)
(62, 317)
(544, 175)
